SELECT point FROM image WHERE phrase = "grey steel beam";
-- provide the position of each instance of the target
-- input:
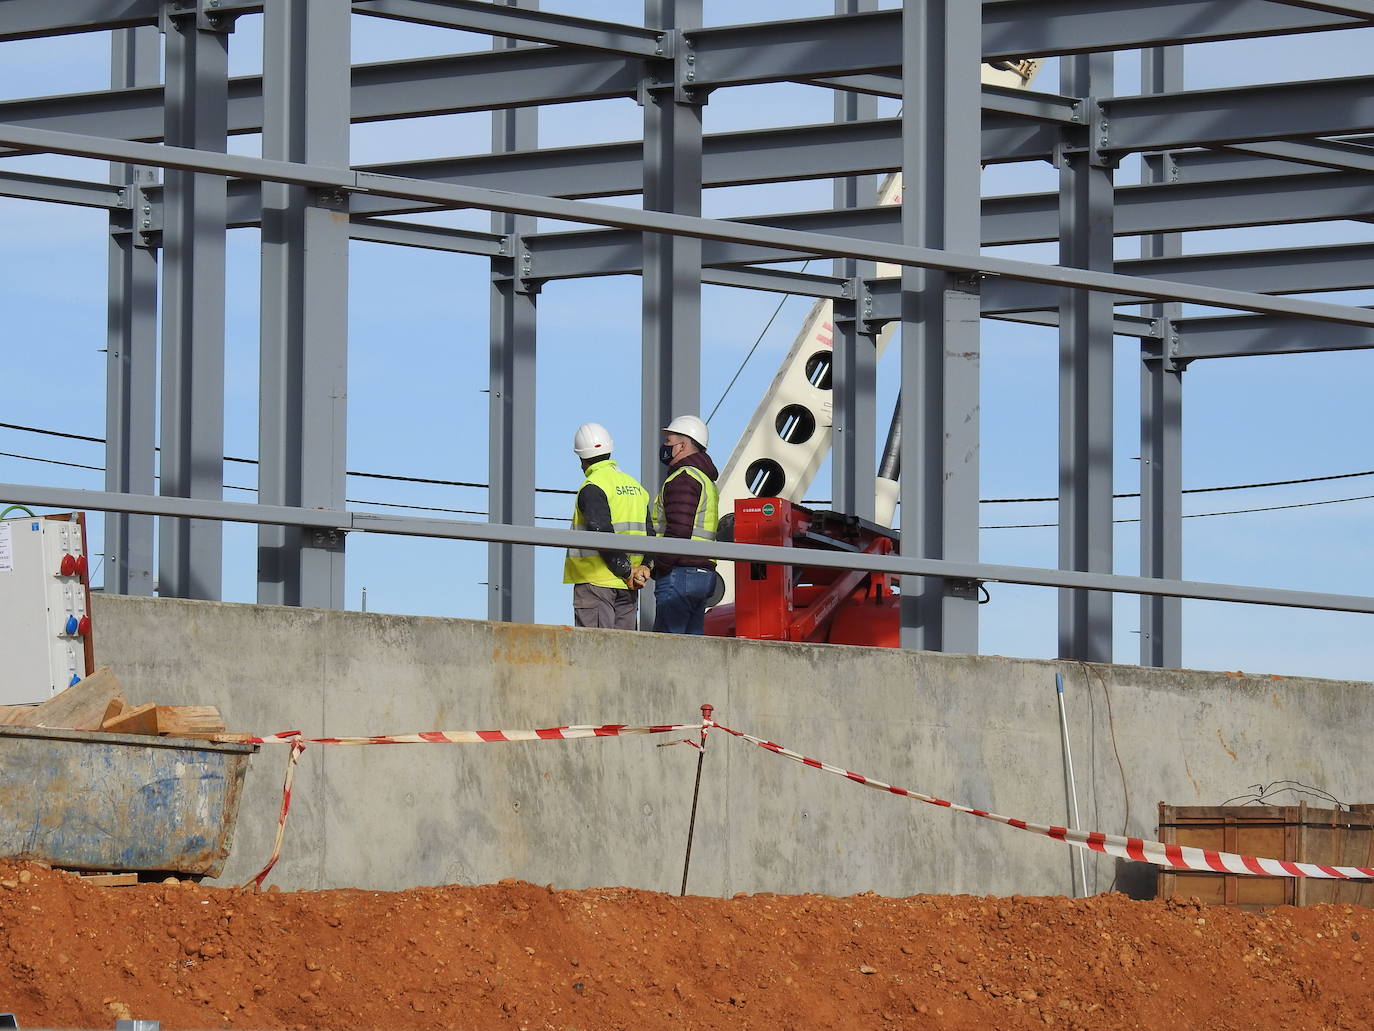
(1355, 8)
(940, 341)
(670, 366)
(64, 191)
(1011, 219)
(1011, 28)
(31, 19)
(1278, 270)
(802, 50)
(500, 19)
(1175, 207)
(1274, 111)
(1122, 325)
(1243, 336)
(1032, 28)
(1161, 420)
(804, 243)
(853, 411)
(541, 536)
(131, 347)
(434, 238)
(511, 386)
(1295, 270)
(1085, 370)
(303, 371)
(1325, 153)
(193, 279)
(803, 284)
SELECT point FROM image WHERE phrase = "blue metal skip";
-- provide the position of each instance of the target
(85, 800)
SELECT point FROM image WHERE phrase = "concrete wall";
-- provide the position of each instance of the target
(982, 731)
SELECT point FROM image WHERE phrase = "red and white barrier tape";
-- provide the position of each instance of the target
(298, 742)
(1176, 857)
(473, 737)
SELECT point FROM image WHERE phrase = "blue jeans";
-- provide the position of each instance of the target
(680, 600)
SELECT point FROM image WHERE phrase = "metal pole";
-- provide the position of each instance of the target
(303, 378)
(671, 360)
(131, 350)
(195, 209)
(511, 395)
(706, 711)
(1073, 783)
(1161, 416)
(1085, 368)
(854, 373)
(941, 94)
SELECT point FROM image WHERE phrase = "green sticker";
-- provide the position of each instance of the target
(768, 509)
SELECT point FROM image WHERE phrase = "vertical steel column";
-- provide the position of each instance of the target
(853, 417)
(190, 562)
(853, 401)
(671, 362)
(941, 95)
(1161, 417)
(131, 351)
(1085, 368)
(511, 466)
(303, 376)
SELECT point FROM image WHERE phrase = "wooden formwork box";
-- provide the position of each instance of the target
(1301, 833)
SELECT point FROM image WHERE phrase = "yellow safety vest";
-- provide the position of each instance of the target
(629, 502)
(708, 506)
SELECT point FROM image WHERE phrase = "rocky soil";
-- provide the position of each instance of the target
(521, 956)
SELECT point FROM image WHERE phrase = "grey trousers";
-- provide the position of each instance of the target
(610, 608)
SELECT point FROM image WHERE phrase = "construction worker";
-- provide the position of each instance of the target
(688, 506)
(605, 583)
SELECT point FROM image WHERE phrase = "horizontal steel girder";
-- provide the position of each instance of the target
(706, 229)
(1227, 200)
(1011, 28)
(1239, 336)
(553, 75)
(539, 536)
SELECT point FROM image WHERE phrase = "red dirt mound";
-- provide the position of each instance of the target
(520, 956)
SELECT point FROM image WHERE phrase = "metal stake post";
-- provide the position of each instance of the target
(706, 711)
(1073, 783)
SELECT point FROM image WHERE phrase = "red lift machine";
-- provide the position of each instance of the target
(806, 603)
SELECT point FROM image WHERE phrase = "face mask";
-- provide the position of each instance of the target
(665, 454)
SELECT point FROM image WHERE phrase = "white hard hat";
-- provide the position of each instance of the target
(690, 426)
(592, 440)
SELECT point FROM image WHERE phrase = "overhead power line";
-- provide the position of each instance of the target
(395, 477)
(1195, 515)
(564, 519)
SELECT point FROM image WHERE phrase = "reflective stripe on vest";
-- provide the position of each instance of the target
(708, 506)
(628, 503)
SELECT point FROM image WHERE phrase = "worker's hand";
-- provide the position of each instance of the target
(639, 576)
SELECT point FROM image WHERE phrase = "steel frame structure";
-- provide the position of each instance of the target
(1270, 154)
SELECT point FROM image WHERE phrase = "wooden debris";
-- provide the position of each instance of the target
(189, 720)
(97, 703)
(141, 719)
(109, 880)
(86, 705)
(15, 715)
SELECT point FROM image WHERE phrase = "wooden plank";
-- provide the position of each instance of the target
(189, 720)
(141, 719)
(109, 880)
(16, 715)
(83, 706)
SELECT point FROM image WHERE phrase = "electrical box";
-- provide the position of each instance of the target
(45, 623)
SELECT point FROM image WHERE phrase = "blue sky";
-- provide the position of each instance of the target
(418, 368)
